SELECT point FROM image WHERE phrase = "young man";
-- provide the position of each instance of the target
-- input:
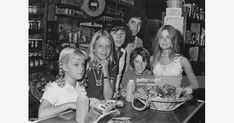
(134, 20)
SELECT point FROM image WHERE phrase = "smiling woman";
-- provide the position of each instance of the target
(167, 63)
(102, 70)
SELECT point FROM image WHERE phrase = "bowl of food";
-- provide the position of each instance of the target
(163, 98)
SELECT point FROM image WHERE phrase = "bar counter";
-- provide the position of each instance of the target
(180, 115)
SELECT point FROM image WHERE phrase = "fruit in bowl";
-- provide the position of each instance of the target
(164, 97)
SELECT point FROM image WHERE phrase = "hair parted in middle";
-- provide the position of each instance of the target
(157, 50)
(95, 38)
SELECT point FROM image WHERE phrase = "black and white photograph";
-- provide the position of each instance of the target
(116, 61)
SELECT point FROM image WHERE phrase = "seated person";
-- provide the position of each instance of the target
(102, 70)
(61, 95)
(142, 76)
(167, 63)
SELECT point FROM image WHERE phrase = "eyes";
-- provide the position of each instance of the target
(118, 33)
(79, 64)
(138, 61)
(164, 37)
(104, 46)
(135, 23)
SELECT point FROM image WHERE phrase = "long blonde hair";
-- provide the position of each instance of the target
(96, 36)
(157, 50)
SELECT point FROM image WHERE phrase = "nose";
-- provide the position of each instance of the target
(105, 49)
(118, 36)
(82, 68)
(140, 64)
(135, 26)
(164, 39)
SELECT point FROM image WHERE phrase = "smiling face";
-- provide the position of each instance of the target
(134, 25)
(139, 65)
(165, 40)
(119, 37)
(75, 67)
(102, 48)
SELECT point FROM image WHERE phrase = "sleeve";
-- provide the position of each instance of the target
(51, 94)
(140, 42)
(113, 72)
(124, 81)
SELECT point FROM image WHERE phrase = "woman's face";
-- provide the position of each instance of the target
(165, 40)
(75, 67)
(102, 48)
(119, 37)
(134, 25)
(139, 64)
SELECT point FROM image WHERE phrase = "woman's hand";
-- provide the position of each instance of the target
(124, 92)
(104, 64)
(116, 95)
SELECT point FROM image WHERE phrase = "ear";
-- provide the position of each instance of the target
(64, 66)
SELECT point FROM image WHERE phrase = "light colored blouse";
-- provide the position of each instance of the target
(57, 95)
(170, 73)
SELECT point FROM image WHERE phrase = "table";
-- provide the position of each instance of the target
(181, 115)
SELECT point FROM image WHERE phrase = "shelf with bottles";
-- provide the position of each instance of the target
(194, 12)
(35, 45)
(34, 12)
(35, 26)
(195, 36)
(36, 62)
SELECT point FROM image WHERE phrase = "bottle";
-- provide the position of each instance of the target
(130, 89)
(41, 61)
(36, 61)
(82, 106)
(31, 62)
(31, 59)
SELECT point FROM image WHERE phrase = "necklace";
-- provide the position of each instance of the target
(98, 81)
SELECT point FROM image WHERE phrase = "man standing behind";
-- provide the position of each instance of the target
(134, 20)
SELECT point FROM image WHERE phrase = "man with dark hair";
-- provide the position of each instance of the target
(134, 20)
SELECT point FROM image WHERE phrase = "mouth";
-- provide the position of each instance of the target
(134, 31)
(81, 73)
(103, 54)
(118, 42)
(165, 44)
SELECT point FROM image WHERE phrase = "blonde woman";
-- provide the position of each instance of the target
(102, 70)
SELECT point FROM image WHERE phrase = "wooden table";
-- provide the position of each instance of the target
(181, 115)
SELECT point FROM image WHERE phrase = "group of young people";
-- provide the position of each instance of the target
(114, 57)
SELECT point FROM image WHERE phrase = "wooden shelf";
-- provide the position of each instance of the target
(68, 6)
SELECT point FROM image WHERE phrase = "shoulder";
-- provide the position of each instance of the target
(128, 73)
(54, 86)
(184, 61)
(148, 72)
(140, 42)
